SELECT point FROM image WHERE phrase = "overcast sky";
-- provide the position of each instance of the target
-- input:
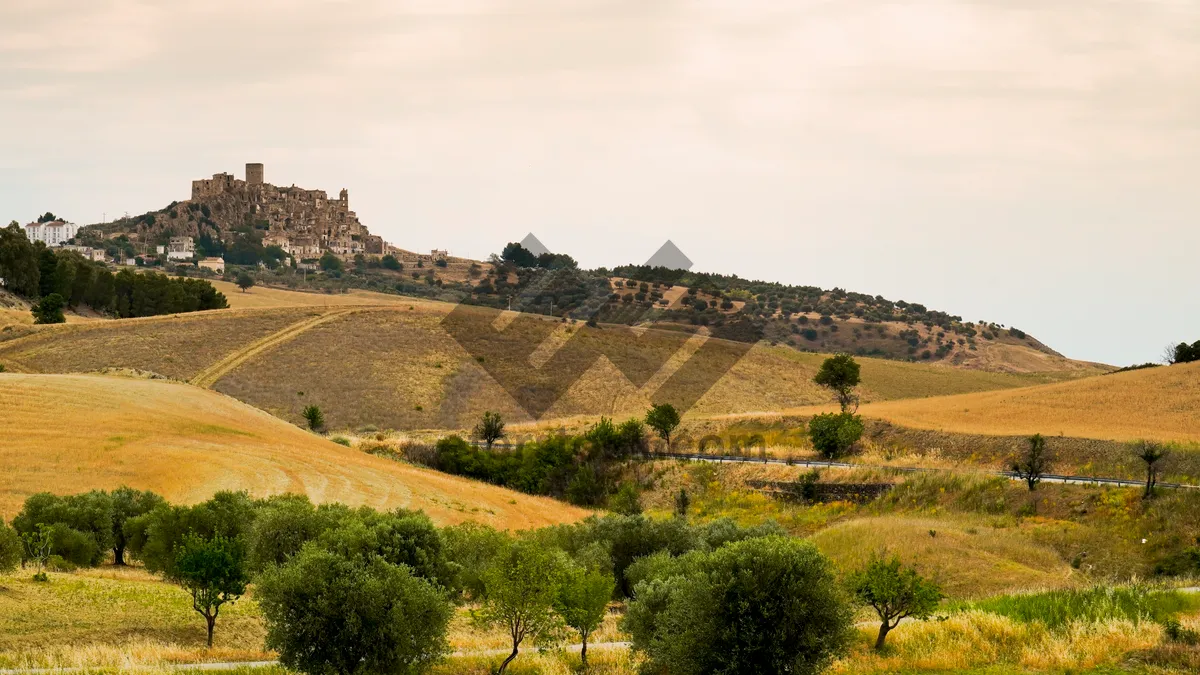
(1030, 162)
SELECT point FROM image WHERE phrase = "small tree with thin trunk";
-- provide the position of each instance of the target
(894, 592)
(663, 418)
(520, 587)
(682, 502)
(245, 281)
(39, 543)
(1151, 454)
(1034, 463)
(582, 600)
(315, 418)
(490, 429)
(840, 374)
(213, 571)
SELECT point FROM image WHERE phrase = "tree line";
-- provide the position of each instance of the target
(346, 590)
(54, 280)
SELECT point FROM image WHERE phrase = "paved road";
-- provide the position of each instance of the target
(1048, 478)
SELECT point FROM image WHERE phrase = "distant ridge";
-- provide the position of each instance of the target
(670, 257)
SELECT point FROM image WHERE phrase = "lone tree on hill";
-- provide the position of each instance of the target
(840, 374)
(895, 593)
(1151, 454)
(213, 571)
(245, 281)
(490, 429)
(663, 418)
(1034, 464)
(315, 418)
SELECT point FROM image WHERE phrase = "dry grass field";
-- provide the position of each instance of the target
(1157, 403)
(72, 433)
(265, 297)
(969, 559)
(396, 366)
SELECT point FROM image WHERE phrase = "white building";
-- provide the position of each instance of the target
(53, 233)
(181, 248)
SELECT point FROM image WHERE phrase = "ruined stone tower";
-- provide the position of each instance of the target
(254, 174)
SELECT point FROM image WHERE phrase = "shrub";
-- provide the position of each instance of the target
(769, 605)
(328, 614)
(834, 434)
(11, 549)
(314, 417)
(49, 310)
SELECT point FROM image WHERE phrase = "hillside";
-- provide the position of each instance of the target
(71, 433)
(397, 367)
(1156, 403)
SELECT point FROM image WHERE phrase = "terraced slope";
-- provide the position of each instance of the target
(71, 433)
(396, 366)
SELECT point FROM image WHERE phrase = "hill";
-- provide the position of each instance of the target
(1155, 403)
(396, 366)
(71, 433)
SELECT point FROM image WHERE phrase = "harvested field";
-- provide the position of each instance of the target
(72, 433)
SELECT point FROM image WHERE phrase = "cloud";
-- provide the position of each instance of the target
(935, 137)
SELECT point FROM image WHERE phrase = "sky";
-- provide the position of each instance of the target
(1032, 163)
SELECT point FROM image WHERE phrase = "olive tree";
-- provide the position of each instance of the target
(895, 593)
(128, 504)
(764, 605)
(663, 418)
(583, 597)
(326, 613)
(213, 571)
(520, 588)
(840, 374)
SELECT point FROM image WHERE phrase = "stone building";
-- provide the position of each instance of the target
(304, 223)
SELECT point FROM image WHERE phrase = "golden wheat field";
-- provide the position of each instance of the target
(1157, 403)
(72, 433)
(263, 296)
(396, 366)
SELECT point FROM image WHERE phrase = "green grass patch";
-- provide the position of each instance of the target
(1058, 608)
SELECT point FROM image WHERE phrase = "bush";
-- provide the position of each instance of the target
(328, 614)
(11, 549)
(768, 605)
(49, 310)
(834, 434)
